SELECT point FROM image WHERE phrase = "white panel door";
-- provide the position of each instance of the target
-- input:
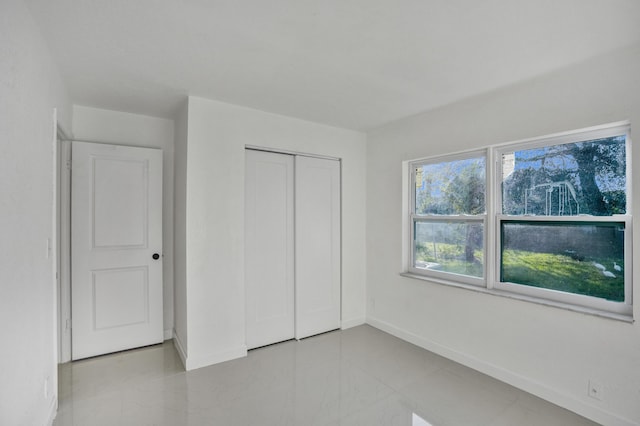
(317, 239)
(116, 248)
(269, 259)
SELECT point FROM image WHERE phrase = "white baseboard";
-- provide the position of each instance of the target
(353, 322)
(524, 383)
(195, 362)
(53, 410)
(168, 334)
(180, 348)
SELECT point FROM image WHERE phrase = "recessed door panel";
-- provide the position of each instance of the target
(118, 183)
(120, 297)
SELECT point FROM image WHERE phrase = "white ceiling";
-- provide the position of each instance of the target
(349, 63)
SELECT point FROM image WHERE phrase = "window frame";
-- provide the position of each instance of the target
(415, 218)
(586, 301)
(493, 218)
(590, 302)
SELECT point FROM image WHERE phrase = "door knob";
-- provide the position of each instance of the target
(156, 256)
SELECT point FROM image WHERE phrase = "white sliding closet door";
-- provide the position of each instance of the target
(269, 245)
(317, 228)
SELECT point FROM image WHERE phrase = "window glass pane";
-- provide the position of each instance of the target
(583, 258)
(568, 179)
(450, 188)
(455, 247)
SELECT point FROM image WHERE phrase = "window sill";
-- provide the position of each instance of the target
(574, 308)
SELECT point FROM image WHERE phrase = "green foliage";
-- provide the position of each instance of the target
(450, 258)
(451, 188)
(514, 189)
(616, 201)
(562, 273)
(465, 192)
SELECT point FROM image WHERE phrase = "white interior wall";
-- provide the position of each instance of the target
(548, 351)
(121, 128)
(30, 88)
(180, 231)
(214, 233)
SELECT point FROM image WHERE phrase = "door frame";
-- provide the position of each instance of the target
(62, 244)
(297, 153)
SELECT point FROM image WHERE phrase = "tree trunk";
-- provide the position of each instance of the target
(592, 199)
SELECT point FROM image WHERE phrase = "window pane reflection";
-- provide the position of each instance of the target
(455, 247)
(583, 258)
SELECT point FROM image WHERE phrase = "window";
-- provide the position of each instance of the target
(557, 215)
(448, 217)
(562, 219)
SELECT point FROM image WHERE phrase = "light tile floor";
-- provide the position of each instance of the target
(360, 376)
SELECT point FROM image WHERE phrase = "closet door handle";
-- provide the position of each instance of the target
(155, 256)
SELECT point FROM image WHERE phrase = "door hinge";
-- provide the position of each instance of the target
(67, 325)
(68, 164)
